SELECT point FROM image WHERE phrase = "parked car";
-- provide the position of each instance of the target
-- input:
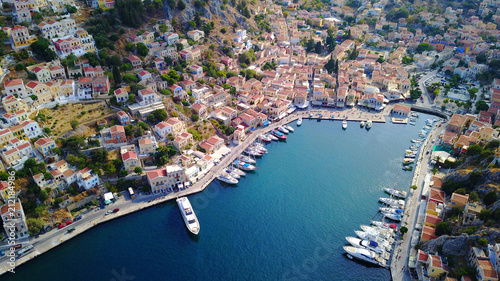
(108, 212)
(69, 222)
(116, 210)
(62, 225)
(77, 218)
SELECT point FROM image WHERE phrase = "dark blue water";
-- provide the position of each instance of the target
(287, 221)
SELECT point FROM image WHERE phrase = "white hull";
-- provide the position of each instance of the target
(368, 124)
(283, 130)
(344, 124)
(395, 203)
(188, 215)
(366, 244)
(365, 255)
(395, 192)
(272, 137)
(247, 159)
(384, 224)
(227, 179)
(290, 129)
(299, 122)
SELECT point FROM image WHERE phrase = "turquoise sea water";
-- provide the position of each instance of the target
(287, 221)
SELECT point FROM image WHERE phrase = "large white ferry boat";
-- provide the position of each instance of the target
(188, 215)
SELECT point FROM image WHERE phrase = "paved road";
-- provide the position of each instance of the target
(422, 173)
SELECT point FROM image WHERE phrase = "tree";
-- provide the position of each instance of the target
(138, 170)
(73, 124)
(473, 196)
(474, 149)
(34, 225)
(195, 118)
(142, 49)
(422, 47)
(317, 48)
(123, 173)
(490, 197)
(117, 76)
(442, 228)
(99, 156)
(481, 105)
(485, 214)
(403, 230)
(41, 48)
(181, 5)
(482, 242)
(43, 196)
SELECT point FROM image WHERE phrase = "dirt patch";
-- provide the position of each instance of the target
(58, 120)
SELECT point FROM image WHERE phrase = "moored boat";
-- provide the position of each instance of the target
(394, 217)
(244, 166)
(264, 138)
(408, 161)
(364, 255)
(283, 130)
(384, 232)
(365, 244)
(232, 174)
(362, 124)
(395, 203)
(237, 171)
(407, 168)
(272, 137)
(385, 224)
(290, 129)
(224, 177)
(368, 124)
(387, 210)
(188, 215)
(279, 135)
(344, 124)
(247, 159)
(395, 192)
(299, 122)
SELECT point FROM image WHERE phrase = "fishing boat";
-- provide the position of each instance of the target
(395, 192)
(368, 124)
(408, 151)
(412, 123)
(188, 215)
(344, 124)
(364, 255)
(290, 129)
(299, 122)
(394, 217)
(385, 224)
(366, 244)
(272, 137)
(395, 203)
(408, 161)
(279, 135)
(362, 124)
(264, 138)
(224, 177)
(407, 168)
(247, 159)
(244, 166)
(414, 114)
(416, 141)
(283, 130)
(411, 155)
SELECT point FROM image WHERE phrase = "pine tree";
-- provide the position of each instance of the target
(117, 76)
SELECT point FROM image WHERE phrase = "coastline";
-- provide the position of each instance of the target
(57, 237)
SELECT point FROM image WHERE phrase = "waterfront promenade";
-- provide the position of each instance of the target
(126, 205)
(399, 262)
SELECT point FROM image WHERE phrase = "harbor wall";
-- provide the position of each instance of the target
(430, 111)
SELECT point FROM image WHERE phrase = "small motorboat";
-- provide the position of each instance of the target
(299, 122)
(368, 124)
(290, 129)
(395, 203)
(362, 124)
(264, 138)
(232, 173)
(272, 137)
(385, 224)
(395, 192)
(407, 168)
(247, 159)
(227, 179)
(408, 161)
(394, 217)
(283, 130)
(390, 210)
(344, 124)
(279, 134)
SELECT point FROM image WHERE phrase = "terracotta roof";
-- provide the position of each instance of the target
(432, 219)
(156, 173)
(15, 82)
(43, 141)
(129, 155)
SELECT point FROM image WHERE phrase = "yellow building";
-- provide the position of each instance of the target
(20, 37)
(18, 132)
(5, 136)
(436, 268)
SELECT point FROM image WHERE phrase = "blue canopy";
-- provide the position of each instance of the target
(265, 123)
(399, 211)
(373, 244)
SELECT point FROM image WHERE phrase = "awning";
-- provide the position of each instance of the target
(265, 123)
(107, 202)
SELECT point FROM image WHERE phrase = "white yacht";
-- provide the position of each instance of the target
(223, 177)
(265, 138)
(390, 210)
(362, 124)
(232, 173)
(283, 130)
(394, 217)
(299, 122)
(344, 124)
(384, 232)
(368, 124)
(290, 129)
(237, 171)
(366, 244)
(395, 203)
(364, 255)
(188, 215)
(247, 159)
(244, 166)
(395, 192)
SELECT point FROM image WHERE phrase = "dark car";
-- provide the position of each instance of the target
(116, 210)
(77, 218)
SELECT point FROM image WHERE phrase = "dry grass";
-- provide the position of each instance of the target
(58, 120)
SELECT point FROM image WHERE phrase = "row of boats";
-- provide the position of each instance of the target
(411, 153)
(373, 244)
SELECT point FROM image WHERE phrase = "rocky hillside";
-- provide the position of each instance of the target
(212, 12)
(458, 245)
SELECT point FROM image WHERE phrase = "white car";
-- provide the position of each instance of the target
(108, 212)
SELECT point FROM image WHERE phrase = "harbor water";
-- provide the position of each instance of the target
(286, 221)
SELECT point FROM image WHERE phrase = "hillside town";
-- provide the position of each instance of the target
(102, 96)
